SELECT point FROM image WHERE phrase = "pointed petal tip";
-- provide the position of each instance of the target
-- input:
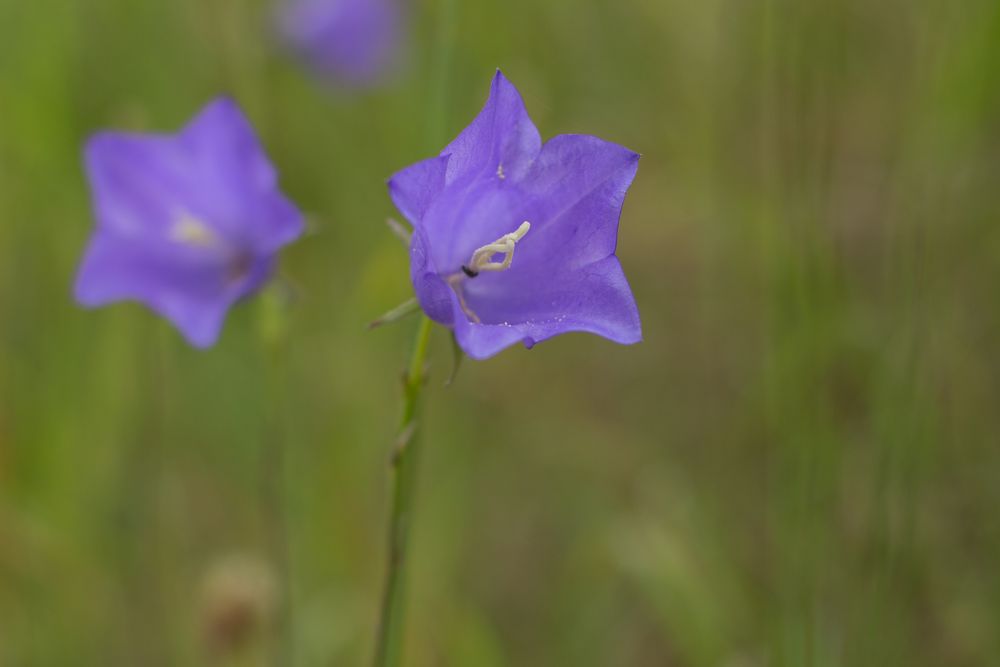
(94, 140)
(224, 99)
(631, 333)
(84, 297)
(223, 108)
(201, 334)
(96, 145)
(500, 82)
(631, 156)
(201, 343)
(85, 290)
(632, 340)
(223, 102)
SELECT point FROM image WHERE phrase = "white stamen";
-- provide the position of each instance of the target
(482, 258)
(500, 171)
(456, 284)
(192, 231)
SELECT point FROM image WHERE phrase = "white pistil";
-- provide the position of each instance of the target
(482, 260)
(190, 230)
(500, 171)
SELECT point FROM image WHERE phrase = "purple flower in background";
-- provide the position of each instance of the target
(187, 223)
(353, 42)
(495, 189)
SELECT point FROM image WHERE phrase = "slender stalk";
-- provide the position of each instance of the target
(403, 471)
(389, 637)
(273, 498)
(138, 522)
(272, 335)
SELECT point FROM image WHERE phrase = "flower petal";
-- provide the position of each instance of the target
(575, 192)
(564, 276)
(187, 223)
(578, 186)
(595, 298)
(138, 182)
(414, 189)
(193, 288)
(482, 341)
(469, 215)
(215, 172)
(502, 140)
(432, 292)
(354, 42)
(235, 182)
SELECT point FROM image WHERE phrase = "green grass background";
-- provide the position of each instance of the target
(799, 466)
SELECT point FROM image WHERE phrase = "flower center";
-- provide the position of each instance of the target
(189, 230)
(482, 260)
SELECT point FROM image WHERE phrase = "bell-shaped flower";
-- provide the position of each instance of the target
(350, 42)
(513, 240)
(187, 223)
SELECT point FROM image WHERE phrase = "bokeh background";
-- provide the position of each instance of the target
(799, 466)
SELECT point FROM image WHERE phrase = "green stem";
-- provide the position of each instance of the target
(389, 638)
(272, 336)
(404, 462)
(273, 496)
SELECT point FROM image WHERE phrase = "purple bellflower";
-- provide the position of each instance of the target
(352, 42)
(186, 223)
(495, 189)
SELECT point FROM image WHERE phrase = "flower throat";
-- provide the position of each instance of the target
(482, 260)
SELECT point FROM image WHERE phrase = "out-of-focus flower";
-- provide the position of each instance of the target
(187, 223)
(351, 42)
(496, 188)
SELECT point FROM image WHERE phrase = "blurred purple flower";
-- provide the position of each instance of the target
(187, 223)
(353, 42)
(496, 187)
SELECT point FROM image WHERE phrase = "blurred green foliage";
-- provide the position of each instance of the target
(799, 466)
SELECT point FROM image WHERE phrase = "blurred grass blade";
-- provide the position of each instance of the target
(400, 230)
(399, 312)
(456, 359)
